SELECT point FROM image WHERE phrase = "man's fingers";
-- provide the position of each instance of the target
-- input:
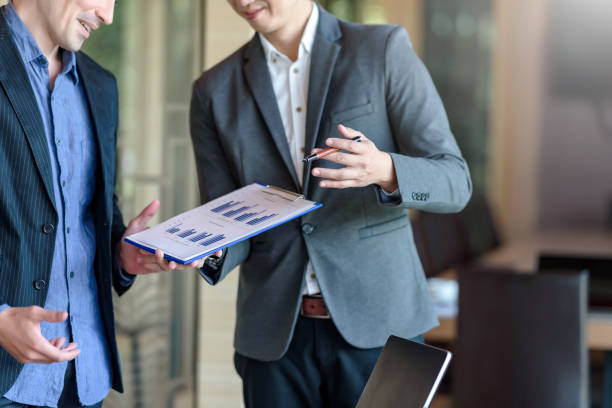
(338, 184)
(200, 262)
(53, 316)
(71, 346)
(151, 268)
(345, 173)
(138, 223)
(161, 262)
(57, 342)
(347, 144)
(145, 259)
(60, 342)
(347, 159)
(197, 264)
(45, 352)
(349, 133)
(62, 355)
(150, 210)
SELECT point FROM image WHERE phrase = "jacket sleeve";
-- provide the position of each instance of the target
(431, 172)
(122, 280)
(215, 177)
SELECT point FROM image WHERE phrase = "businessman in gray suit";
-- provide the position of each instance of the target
(318, 297)
(60, 227)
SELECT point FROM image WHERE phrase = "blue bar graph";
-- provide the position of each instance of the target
(237, 211)
(186, 233)
(200, 236)
(212, 240)
(173, 229)
(258, 220)
(246, 216)
(225, 206)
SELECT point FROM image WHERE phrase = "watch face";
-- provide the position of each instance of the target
(214, 261)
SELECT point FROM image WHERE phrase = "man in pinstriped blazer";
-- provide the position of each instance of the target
(60, 227)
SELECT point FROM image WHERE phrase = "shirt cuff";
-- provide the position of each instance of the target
(3, 307)
(125, 278)
(386, 198)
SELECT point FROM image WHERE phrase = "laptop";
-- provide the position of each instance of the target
(407, 374)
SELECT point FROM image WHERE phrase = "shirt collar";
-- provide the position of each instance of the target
(310, 30)
(307, 41)
(69, 65)
(27, 46)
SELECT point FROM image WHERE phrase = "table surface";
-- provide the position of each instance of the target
(522, 255)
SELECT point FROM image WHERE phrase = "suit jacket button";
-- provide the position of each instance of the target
(48, 228)
(40, 284)
(307, 229)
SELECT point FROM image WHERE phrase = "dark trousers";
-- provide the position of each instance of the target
(320, 369)
(68, 399)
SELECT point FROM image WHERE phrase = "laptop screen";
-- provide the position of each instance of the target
(407, 374)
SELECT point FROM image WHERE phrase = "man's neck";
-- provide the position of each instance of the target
(35, 25)
(287, 39)
(30, 16)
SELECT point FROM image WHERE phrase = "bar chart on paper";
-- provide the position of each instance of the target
(222, 222)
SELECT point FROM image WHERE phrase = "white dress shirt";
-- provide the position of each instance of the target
(290, 82)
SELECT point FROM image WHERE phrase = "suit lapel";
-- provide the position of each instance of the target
(258, 77)
(98, 100)
(324, 55)
(14, 79)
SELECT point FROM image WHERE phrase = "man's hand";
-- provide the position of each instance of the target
(138, 261)
(365, 164)
(21, 337)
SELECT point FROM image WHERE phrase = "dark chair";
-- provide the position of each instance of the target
(600, 274)
(441, 241)
(521, 339)
(599, 297)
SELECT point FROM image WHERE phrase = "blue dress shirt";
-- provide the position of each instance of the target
(72, 285)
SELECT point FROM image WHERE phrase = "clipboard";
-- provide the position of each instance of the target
(223, 222)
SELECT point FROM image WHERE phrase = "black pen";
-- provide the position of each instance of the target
(325, 152)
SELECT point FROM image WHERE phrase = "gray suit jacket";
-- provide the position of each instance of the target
(363, 253)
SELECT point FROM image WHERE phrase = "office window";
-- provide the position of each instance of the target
(154, 50)
(458, 39)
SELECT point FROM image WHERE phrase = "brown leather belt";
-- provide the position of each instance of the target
(314, 306)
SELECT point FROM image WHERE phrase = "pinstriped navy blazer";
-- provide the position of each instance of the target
(27, 210)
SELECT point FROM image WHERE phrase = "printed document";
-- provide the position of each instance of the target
(222, 222)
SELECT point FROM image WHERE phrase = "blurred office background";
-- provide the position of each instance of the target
(527, 85)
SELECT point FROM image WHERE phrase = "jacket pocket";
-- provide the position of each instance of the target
(384, 227)
(352, 113)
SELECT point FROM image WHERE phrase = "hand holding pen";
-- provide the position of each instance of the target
(319, 154)
(364, 163)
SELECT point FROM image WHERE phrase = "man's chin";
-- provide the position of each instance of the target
(260, 25)
(74, 45)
